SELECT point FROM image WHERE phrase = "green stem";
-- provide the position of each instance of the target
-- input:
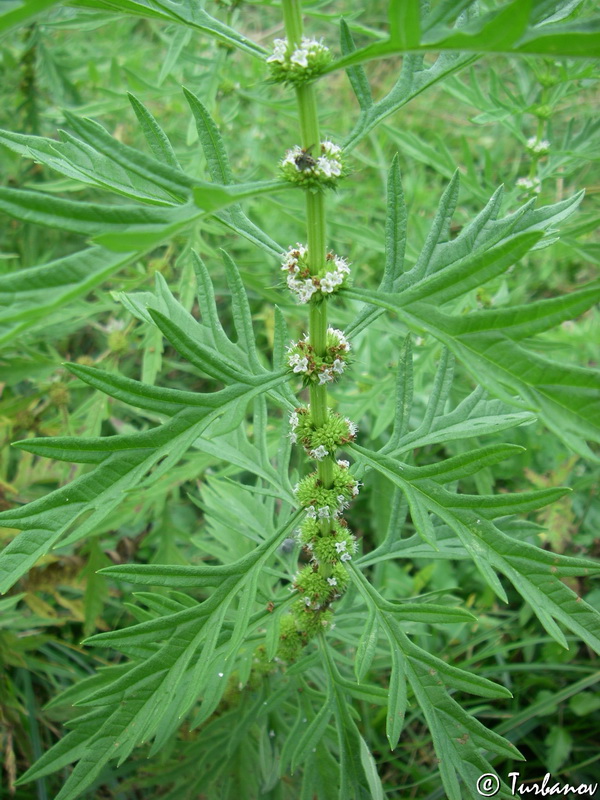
(316, 227)
(541, 127)
(292, 19)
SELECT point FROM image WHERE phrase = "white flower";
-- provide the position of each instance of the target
(338, 366)
(291, 156)
(305, 291)
(346, 557)
(332, 581)
(298, 362)
(352, 427)
(330, 280)
(355, 488)
(340, 547)
(279, 48)
(326, 284)
(341, 265)
(330, 149)
(299, 56)
(306, 601)
(294, 419)
(293, 437)
(311, 512)
(323, 512)
(531, 184)
(319, 452)
(330, 167)
(325, 377)
(538, 146)
(342, 463)
(342, 341)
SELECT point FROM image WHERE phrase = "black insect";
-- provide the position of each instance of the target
(304, 160)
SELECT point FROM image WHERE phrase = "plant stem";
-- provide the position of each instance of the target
(316, 227)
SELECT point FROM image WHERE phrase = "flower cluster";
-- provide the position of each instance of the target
(538, 147)
(303, 284)
(323, 170)
(304, 63)
(336, 545)
(320, 369)
(323, 502)
(530, 184)
(317, 590)
(322, 440)
(325, 536)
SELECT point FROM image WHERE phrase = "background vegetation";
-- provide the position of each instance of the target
(85, 61)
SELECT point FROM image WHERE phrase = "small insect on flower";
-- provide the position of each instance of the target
(304, 160)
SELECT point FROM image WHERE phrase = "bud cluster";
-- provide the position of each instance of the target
(538, 147)
(300, 64)
(323, 440)
(336, 545)
(321, 171)
(530, 184)
(320, 369)
(323, 502)
(303, 284)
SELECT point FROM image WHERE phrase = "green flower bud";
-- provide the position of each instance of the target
(324, 171)
(320, 369)
(291, 640)
(313, 587)
(299, 65)
(327, 503)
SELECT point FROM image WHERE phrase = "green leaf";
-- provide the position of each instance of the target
(462, 276)
(211, 141)
(211, 198)
(124, 463)
(96, 590)
(367, 646)
(155, 136)
(356, 75)
(584, 703)
(19, 13)
(566, 398)
(414, 78)
(190, 15)
(505, 30)
(559, 743)
(29, 296)
(370, 768)
(457, 736)
(405, 21)
(519, 322)
(89, 219)
(351, 764)
(535, 573)
(465, 464)
(125, 228)
(156, 690)
(220, 171)
(312, 734)
(395, 244)
(397, 696)
(99, 160)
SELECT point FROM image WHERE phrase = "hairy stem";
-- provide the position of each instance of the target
(316, 227)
